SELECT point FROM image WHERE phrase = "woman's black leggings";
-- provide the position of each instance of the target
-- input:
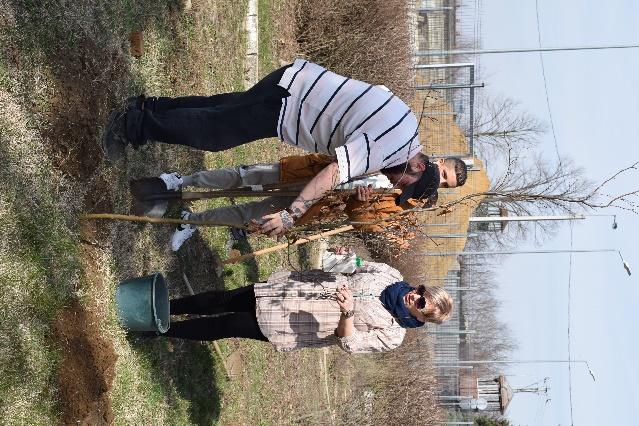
(234, 312)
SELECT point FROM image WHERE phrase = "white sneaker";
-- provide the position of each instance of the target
(173, 181)
(183, 233)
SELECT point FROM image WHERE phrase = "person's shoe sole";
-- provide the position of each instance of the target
(113, 144)
(185, 235)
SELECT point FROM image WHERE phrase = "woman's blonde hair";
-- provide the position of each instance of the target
(442, 304)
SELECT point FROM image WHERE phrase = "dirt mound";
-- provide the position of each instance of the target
(78, 108)
(87, 368)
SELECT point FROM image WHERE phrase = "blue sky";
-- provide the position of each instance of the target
(595, 106)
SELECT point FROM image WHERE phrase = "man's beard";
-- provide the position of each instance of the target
(404, 168)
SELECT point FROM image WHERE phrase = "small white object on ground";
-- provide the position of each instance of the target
(344, 263)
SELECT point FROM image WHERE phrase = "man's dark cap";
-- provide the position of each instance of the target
(425, 187)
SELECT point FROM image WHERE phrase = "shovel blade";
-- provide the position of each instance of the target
(144, 187)
(155, 208)
(150, 196)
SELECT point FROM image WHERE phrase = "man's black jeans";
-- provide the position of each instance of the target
(210, 123)
(234, 310)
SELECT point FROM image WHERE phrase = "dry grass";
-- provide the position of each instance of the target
(272, 387)
(38, 267)
(282, 41)
(365, 39)
(63, 66)
(405, 385)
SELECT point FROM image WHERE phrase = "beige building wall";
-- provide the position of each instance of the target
(440, 136)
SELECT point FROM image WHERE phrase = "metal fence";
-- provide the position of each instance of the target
(444, 25)
(452, 82)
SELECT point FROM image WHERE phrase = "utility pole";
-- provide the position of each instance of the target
(515, 219)
(488, 253)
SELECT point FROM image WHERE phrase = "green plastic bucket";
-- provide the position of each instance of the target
(143, 303)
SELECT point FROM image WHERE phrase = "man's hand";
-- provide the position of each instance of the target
(277, 223)
(324, 181)
(364, 193)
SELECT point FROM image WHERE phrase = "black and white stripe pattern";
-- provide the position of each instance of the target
(393, 126)
(299, 112)
(389, 157)
(328, 102)
(286, 99)
(371, 115)
(335, 115)
(348, 163)
(339, 122)
(368, 153)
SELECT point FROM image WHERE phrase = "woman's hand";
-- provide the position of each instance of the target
(340, 250)
(346, 324)
(344, 299)
(364, 193)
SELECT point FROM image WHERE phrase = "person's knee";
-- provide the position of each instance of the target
(259, 174)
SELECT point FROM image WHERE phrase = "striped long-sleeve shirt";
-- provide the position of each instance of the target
(366, 127)
(298, 310)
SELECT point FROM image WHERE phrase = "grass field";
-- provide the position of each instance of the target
(63, 356)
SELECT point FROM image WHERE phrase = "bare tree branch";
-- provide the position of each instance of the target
(561, 188)
(500, 125)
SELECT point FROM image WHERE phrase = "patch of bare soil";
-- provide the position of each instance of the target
(88, 359)
(87, 368)
(86, 76)
(74, 121)
(78, 111)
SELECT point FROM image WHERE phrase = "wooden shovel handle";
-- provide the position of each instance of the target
(198, 195)
(148, 219)
(195, 222)
(247, 193)
(284, 245)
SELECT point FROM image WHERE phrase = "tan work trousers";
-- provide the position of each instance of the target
(235, 177)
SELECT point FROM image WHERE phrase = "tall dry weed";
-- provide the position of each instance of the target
(396, 387)
(367, 40)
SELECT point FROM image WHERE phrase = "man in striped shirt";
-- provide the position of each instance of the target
(366, 128)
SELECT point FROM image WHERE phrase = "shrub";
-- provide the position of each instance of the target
(396, 387)
(367, 40)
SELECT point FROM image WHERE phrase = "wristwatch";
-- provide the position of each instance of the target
(348, 314)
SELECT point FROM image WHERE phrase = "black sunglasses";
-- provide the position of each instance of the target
(421, 302)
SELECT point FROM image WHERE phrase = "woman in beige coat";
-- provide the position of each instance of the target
(367, 311)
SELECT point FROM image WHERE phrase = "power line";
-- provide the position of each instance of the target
(523, 50)
(543, 73)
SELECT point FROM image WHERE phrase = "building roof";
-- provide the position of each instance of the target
(441, 136)
(505, 394)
